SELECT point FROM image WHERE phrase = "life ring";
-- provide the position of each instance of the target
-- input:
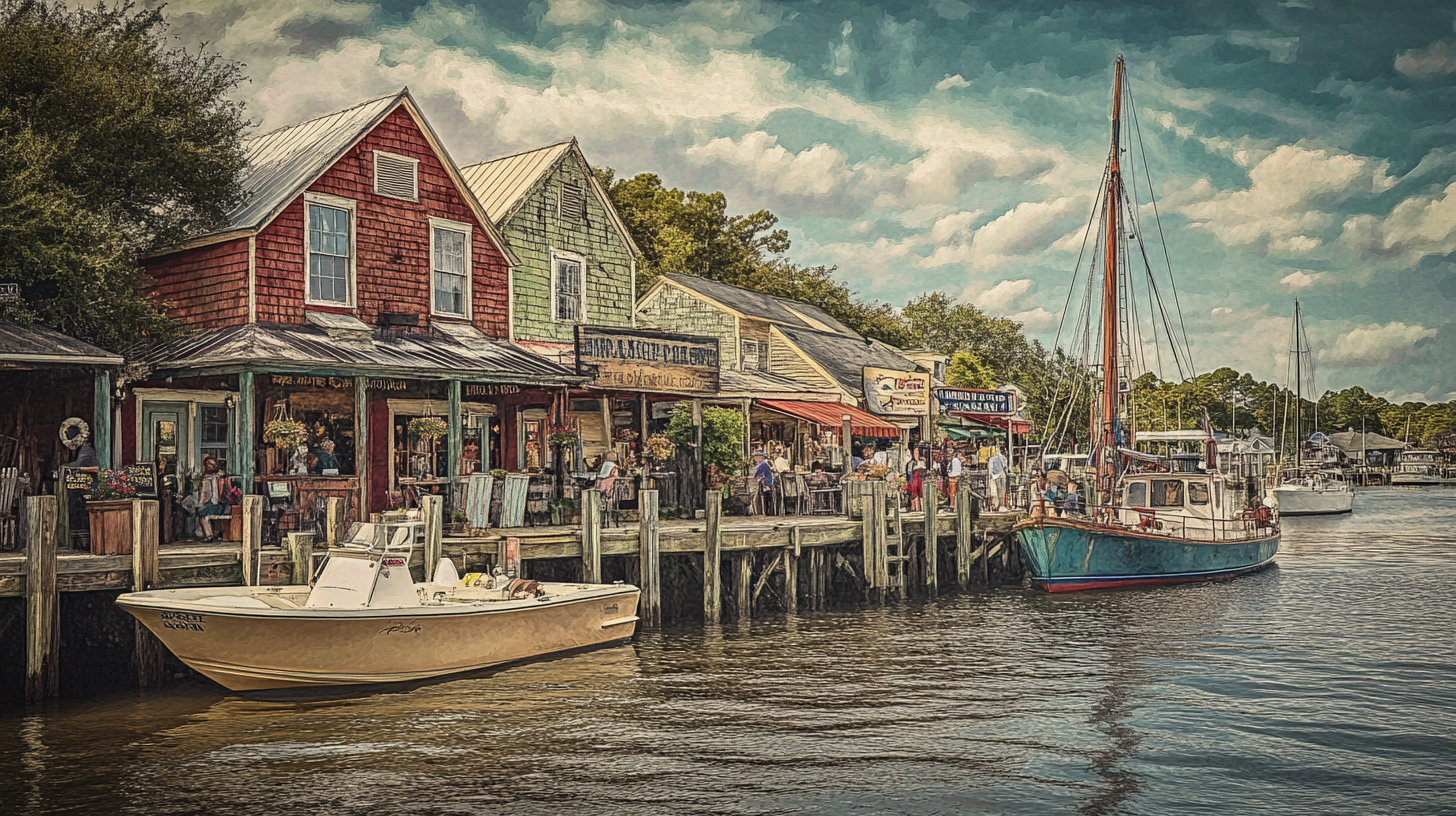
(74, 441)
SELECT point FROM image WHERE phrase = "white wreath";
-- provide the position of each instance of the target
(76, 441)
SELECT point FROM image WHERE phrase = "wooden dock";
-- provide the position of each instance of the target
(786, 562)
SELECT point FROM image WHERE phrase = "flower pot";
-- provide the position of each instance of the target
(110, 526)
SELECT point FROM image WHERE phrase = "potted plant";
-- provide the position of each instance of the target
(428, 427)
(284, 432)
(457, 523)
(658, 449)
(108, 508)
(562, 436)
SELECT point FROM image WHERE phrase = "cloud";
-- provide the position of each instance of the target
(1299, 279)
(1436, 59)
(949, 82)
(1220, 311)
(1028, 230)
(1420, 225)
(1001, 296)
(1037, 320)
(1377, 345)
(1281, 49)
(758, 165)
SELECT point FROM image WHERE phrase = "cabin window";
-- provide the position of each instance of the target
(1217, 494)
(330, 240)
(1167, 493)
(1137, 494)
(568, 288)
(450, 267)
(396, 176)
(750, 355)
(573, 201)
(1197, 493)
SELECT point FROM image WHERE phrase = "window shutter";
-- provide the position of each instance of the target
(396, 176)
(573, 201)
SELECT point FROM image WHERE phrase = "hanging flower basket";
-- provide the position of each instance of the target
(562, 436)
(658, 449)
(284, 432)
(428, 427)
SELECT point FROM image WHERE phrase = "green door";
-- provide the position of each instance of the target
(166, 439)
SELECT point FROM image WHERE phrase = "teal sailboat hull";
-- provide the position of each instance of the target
(1064, 555)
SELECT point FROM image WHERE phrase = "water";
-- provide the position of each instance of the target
(1324, 685)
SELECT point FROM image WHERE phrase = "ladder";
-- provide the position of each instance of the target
(896, 558)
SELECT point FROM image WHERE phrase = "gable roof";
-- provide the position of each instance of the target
(503, 184)
(756, 305)
(283, 163)
(22, 346)
(1353, 441)
(844, 358)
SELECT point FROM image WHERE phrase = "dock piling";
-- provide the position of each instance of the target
(743, 583)
(791, 573)
(333, 526)
(650, 609)
(146, 573)
(252, 539)
(432, 514)
(932, 537)
(965, 535)
(876, 555)
(42, 612)
(713, 559)
(300, 558)
(591, 536)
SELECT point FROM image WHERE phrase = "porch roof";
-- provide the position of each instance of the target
(24, 346)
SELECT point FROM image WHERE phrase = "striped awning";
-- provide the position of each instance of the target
(831, 415)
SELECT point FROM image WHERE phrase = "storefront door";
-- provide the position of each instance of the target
(165, 438)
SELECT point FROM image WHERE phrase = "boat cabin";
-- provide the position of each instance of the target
(1184, 502)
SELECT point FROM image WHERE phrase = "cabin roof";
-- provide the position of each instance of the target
(777, 310)
(25, 346)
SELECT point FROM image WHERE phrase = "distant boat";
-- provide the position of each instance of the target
(1417, 467)
(366, 621)
(1315, 484)
(1154, 520)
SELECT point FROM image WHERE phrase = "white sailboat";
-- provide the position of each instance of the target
(365, 620)
(1314, 485)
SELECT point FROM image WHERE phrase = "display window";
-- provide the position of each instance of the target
(323, 415)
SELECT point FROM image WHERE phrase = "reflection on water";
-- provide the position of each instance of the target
(1322, 685)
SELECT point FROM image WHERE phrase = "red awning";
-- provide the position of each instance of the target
(1017, 425)
(831, 415)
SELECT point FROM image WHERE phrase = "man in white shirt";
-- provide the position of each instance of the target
(996, 471)
(953, 476)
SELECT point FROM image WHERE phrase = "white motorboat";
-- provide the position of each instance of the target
(365, 620)
(1313, 492)
(1417, 467)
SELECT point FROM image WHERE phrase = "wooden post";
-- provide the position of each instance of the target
(743, 583)
(101, 419)
(876, 567)
(699, 480)
(246, 438)
(818, 578)
(591, 536)
(432, 514)
(846, 441)
(361, 444)
(650, 608)
(713, 559)
(146, 573)
(791, 573)
(300, 557)
(334, 515)
(964, 535)
(932, 536)
(42, 612)
(455, 441)
(252, 539)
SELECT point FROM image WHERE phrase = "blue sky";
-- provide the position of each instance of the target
(1297, 148)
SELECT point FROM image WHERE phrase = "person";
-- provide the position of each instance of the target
(881, 458)
(857, 462)
(1036, 492)
(1071, 503)
(324, 459)
(762, 473)
(1058, 484)
(915, 479)
(817, 466)
(984, 454)
(996, 481)
(781, 463)
(953, 475)
(210, 500)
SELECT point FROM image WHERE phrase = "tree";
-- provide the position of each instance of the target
(112, 144)
(722, 435)
(967, 371)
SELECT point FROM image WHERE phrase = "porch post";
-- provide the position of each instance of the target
(454, 443)
(101, 419)
(361, 444)
(246, 435)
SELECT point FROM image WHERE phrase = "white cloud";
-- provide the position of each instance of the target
(1299, 279)
(760, 163)
(1436, 59)
(1281, 49)
(1220, 311)
(575, 12)
(1418, 226)
(1376, 345)
(1000, 297)
(1028, 230)
(949, 82)
(1037, 320)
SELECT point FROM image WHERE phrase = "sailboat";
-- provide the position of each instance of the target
(1314, 484)
(1155, 520)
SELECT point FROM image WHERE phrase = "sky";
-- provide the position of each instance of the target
(1297, 148)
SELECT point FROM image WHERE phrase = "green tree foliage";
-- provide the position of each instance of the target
(722, 435)
(967, 371)
(112, 144)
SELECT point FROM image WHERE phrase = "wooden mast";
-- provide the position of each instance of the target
(1109, 296)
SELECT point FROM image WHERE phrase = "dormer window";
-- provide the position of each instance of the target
(396, 176)
(573, 202)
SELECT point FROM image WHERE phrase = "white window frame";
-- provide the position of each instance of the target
(416, 171)
(743, 356)
(452, 226)
(353, 208)
(559, 255)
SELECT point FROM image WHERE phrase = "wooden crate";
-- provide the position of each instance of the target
(110, 526)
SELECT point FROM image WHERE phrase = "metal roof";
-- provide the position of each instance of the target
(26, 346)
(763, 383)
(845, 357)
(287, 347)
(777, 310)
(502, 184)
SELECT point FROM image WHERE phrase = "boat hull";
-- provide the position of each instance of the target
(1414, 479)
(1064, 555)
(1308, 502)
(255, 649)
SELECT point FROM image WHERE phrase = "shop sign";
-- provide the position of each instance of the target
(975, 401)
(388, 385)
(896, 393)
(647, 361)
(491, 390)
(317, 382)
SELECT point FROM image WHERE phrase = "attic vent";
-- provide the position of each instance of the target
(573, 201)
(396, 176)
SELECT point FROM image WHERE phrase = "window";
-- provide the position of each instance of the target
(750, 355)
(1197, 493)
(330, 251)
(939, 371)
(568, 292)
(1167, 493)
(573, 201)
(1137, 494)
(450, 267)
(213, 437)
(396, 176)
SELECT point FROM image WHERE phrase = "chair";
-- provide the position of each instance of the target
(823, 493)
(793, 492)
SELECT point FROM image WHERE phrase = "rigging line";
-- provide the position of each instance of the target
(1072, 284)
(1158, 219)
(1172, 338)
